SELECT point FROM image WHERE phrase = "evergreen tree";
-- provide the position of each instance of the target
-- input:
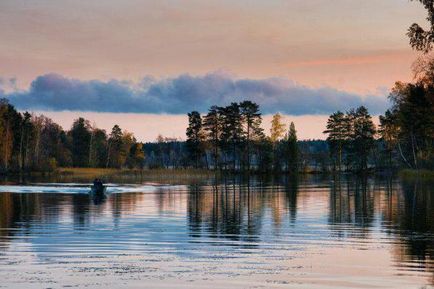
(252, 120)
(213, 127)
(338, 131)
(232, 130)
(195, 137)
(98, 148)
(291, 149)
(114, 148)
(389, 132)
(265, 155)
(27, 131)
(80, 135)
(363, 136)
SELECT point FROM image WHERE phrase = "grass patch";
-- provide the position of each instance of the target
(422, 174)
(134, 175)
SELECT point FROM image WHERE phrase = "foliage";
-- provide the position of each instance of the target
(351, 138)
(422, 39)
(36, 143)
(277, 130)
(291, 152)
(195, 137)
(408, 126)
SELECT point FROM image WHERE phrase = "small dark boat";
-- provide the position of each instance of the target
(97, 190)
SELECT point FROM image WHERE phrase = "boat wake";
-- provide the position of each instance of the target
(74, 188)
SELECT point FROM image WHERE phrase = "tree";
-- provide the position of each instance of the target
(114, 148)
(52, 148)
(277, 130)
(338, 131)
(389, 132)
(212, 126)
(98, 148)
(232, 130)
(252, 120)
(422, 39)
(10, 135)
(128, 140)
(27, 131)
(363, 136)
(136, 156)
(291, 149)
(265, 155)
(413, 110)
(195, 137)
(80, 134)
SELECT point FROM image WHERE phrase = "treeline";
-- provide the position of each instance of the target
(36, 143)
(351, 138)
(231, 138)
(405, 136)
(407, 128)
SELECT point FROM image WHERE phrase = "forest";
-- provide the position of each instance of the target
(31, 143)
(231, 138)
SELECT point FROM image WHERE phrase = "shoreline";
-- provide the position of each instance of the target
(191, 173)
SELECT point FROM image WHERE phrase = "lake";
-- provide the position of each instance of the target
(311, 232)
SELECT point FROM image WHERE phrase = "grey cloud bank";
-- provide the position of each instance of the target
(185, 93)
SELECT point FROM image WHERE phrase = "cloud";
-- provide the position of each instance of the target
(185, 93)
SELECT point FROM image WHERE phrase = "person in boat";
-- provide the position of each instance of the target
(98, 185)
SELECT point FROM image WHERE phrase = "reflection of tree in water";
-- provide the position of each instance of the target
(235, 209)
(352, 201)
(415, 225)
(20, 211)
(405, 210)
(291, 192)
(217, 211)
(26, 212)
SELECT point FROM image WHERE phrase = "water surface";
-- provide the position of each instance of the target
(286, 233)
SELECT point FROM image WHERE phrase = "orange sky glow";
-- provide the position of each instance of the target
(358, 47)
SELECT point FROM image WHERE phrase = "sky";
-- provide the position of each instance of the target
(153, 61)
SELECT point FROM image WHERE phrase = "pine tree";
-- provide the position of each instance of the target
(232, 130)
(195, 137)
(337, 130)
(212, 126)
(291, 149)
(80, 134)
(363, 137)
(252, 120)
(98, 148)
(114, 148)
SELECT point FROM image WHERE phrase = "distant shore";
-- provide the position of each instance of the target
(185, 173)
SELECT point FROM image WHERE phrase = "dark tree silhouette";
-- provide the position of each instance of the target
(213, 128)
(422, 39)
(363, 137)
(291, 149)
(195, 137)
(80, 134)
(252, 120)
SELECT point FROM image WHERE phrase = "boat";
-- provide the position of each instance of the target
(97, 190)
